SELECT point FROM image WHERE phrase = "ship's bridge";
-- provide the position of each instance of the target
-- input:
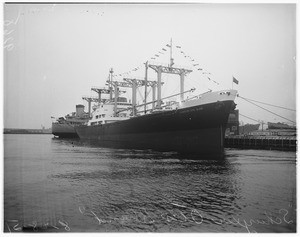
(121, 101)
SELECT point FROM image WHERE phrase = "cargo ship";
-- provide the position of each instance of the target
(190, 126)
(63, 127)
(195, 127)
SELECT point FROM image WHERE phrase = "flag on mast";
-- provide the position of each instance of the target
(235, 80)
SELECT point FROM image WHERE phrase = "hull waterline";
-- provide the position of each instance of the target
(64, 130)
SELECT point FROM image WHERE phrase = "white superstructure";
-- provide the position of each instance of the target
(104, 112)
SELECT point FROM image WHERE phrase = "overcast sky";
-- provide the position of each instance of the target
(54, 54)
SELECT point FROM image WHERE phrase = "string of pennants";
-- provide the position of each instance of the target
(162, 51)
(196, 65)
(128, 72)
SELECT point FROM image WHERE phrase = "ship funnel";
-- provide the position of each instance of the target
(79, 110)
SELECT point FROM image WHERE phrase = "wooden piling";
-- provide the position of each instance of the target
(285, 143)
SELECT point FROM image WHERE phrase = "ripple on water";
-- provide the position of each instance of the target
(118, 190)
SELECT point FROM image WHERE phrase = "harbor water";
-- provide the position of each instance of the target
(55, 185)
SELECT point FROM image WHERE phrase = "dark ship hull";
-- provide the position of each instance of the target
(64, 130)
(64, 126)
(196, 130)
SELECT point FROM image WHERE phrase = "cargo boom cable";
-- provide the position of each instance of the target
(266, 109)
(250, 118)
(267, 104)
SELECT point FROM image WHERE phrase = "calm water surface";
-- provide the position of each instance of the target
(54, 185)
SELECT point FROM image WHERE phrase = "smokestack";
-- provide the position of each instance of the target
(79, 110)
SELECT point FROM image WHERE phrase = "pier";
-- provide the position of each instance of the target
(283, 143)
(26, 131)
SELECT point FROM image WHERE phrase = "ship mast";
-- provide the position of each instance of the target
(110, 82)
(155, 85)
(169, 70)
(90, 100)
(188, 91)
(171, 59)
(146, 83)
(101, 91)
(132, 83)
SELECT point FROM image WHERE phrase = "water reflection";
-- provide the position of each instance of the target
(131, 151)
(164, 185)
(68, 183)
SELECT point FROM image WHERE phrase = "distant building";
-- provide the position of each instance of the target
(274, 129)
(275, 132)
(248, 128)
(262, 133)
(277, 129)
(280, 126)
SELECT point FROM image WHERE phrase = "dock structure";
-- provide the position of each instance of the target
(26, 131)
(284, 143)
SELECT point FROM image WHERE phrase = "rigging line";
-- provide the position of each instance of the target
(268, 104)
(176, 89)
(249, 118)
(268, 110)
(216, 82)
(163, 90)
(197, 81)
(139, 93)
(148, 92)
(189, 82)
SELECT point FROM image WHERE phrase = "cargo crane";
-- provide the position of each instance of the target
(132, 83)
(169, 70)
(90, 100)
(100, 91)
(116, 85)
(137, 83)
(103, 90)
